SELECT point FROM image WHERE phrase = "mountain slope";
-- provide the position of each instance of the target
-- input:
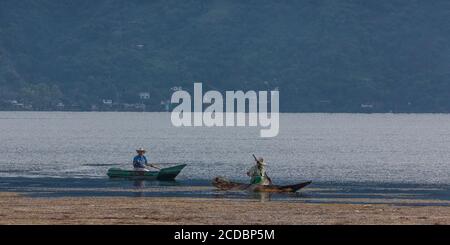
(323, 55)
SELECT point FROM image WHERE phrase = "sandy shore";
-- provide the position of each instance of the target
(17, 209)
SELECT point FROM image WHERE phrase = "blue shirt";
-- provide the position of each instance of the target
(139, 161)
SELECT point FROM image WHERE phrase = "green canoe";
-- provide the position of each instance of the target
(163, 174)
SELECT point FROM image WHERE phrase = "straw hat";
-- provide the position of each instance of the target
(261, 161)
(141, 150)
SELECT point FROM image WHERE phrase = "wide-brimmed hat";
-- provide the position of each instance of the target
(141, 150)
(261, 161)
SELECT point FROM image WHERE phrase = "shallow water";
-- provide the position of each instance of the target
(358, 193)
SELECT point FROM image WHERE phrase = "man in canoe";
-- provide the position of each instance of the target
(140, 162)
(258, 173)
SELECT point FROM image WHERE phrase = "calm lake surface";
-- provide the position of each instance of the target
(351, 158)
(399, 148)
(381, 148)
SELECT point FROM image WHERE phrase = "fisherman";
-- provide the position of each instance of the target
(140, 162)
(258, 173)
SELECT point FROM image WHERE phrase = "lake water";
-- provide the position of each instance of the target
(326, 148)
(400, 159)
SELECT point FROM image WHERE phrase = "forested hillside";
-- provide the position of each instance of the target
(323, 55)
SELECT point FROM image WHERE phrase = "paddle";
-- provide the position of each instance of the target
(153, 166)
(267, 176)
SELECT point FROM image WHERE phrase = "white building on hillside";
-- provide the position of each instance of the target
(144, 95)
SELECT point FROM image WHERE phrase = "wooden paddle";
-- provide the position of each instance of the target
(267, 176)
(153, 166)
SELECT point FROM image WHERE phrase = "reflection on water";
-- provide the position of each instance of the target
(262, 196)
(139, 185)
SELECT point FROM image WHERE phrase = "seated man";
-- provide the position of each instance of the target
(140, 162)
(258, 173)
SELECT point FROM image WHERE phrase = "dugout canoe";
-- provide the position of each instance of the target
(224, 184)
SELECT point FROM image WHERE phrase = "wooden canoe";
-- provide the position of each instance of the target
(224, 184)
